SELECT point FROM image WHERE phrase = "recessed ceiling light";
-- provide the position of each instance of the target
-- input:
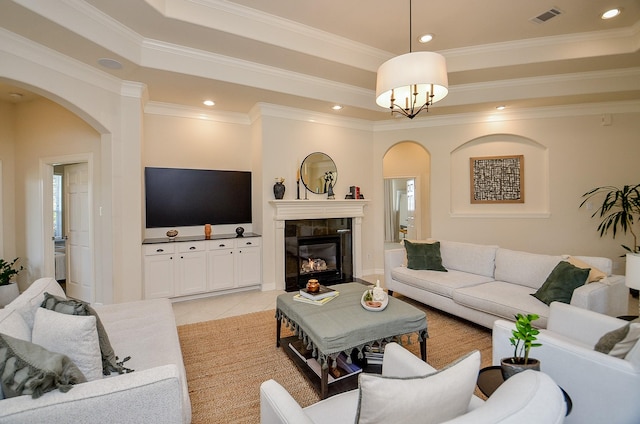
(109, 63)
(425, 38)
(336, 107)
(611, 13)
(209, 103)
(501, 107)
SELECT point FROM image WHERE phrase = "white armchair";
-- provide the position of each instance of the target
(528, 398)
(603, 388)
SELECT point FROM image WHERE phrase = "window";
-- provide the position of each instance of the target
(57, 207)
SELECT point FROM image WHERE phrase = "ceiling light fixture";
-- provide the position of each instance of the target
(501, 107)
(425, 38)
(336, 107)
(610, 14)
(109, 63)
(209, 103)
(412, 78)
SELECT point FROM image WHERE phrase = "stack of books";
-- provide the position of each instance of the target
(374, 355)
(322, 296)
(338, 372)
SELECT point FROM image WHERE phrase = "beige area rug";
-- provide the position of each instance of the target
(227, 360)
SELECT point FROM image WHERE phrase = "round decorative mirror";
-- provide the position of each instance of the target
(318, 172)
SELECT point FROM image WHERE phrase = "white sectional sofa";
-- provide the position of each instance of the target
(486, 282)
(156, 392)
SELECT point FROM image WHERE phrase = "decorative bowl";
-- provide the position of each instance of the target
(374, 306)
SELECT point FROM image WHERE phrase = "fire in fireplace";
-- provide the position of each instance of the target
(319, 255)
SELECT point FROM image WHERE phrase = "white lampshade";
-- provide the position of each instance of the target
(632, 277)
(417, 68)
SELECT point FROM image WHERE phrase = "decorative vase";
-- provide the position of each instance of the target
(8, 292)
(313, 286)
(207, 231)
(509, 368)
(278, 190)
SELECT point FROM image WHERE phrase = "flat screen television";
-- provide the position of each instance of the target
(177, 197)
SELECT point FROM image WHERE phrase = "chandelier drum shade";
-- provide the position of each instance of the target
(412, 82)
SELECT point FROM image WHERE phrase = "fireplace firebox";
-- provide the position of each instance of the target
(319, 249)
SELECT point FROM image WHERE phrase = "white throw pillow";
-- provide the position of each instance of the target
(72, 335)
(13, 324)
(429, 399)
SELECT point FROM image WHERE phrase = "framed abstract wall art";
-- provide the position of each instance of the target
(497, 179)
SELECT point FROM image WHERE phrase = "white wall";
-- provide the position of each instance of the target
(112, 107)
(583, 154)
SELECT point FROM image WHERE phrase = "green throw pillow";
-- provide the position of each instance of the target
(30, 369)
(77, 307)
(561, 283)
(424, 256)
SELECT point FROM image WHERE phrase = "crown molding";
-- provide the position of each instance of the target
(277, 111)
(632, 106)
(179, 111)
(250, 23)
(25, 49)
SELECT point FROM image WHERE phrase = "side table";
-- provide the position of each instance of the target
(490, 378)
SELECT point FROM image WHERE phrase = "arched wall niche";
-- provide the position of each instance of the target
(536, 177)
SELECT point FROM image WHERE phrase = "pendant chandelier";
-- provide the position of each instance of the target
(410, 83)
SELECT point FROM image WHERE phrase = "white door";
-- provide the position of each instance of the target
(79, 262)
(411, 209)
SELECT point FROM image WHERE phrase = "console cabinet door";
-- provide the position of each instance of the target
(192, 273)
(221, 269)
(158, 276)
(249, 266)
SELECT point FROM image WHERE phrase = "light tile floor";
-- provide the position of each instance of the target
(224, 306)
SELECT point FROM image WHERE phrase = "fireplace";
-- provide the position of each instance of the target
(314, 209)
(319, 249)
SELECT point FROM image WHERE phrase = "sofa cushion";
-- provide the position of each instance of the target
(594, 274)
(29, 301)
(31, 369)
(502, 299)
(560, 284)
(78, 307)
(474, 258)
(619, 342)
(424, 256)
(433, 398)
(442, 283)
(524, 268)
(13, 324)
(74, 336)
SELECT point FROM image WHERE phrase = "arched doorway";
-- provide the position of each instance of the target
(406, 170)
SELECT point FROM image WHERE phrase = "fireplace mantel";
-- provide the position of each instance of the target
(289, 210)
(312, 209)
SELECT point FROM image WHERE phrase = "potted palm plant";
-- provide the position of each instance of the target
(8, 286)
(619, 211)
(523, 339)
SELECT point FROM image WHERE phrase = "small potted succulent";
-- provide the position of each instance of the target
(8, 286)
(523, 339)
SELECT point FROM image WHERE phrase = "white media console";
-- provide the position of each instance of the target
(191, 267)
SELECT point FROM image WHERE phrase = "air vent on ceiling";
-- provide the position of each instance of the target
(546, 16)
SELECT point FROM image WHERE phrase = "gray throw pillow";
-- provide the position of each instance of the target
(77, 307)
(30, 369)
(424, 256)
(620, 341)
(561, 283)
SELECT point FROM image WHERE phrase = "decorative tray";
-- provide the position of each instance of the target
(383, 303)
